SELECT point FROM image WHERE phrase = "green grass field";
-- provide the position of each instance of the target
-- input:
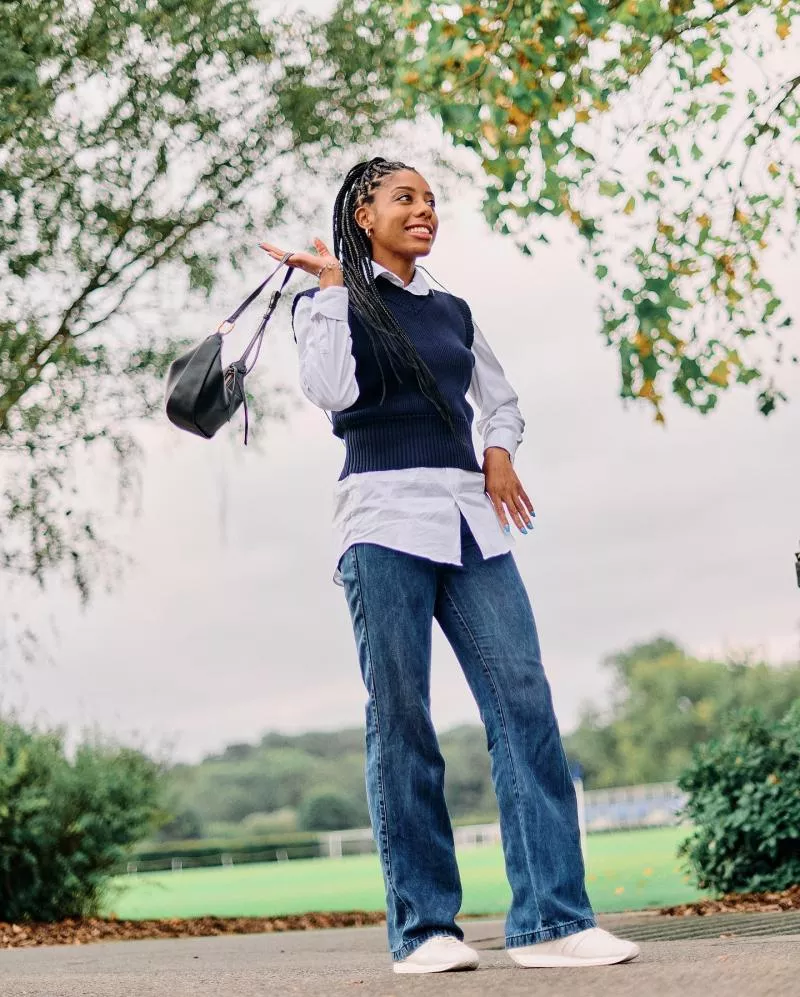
(628, 870)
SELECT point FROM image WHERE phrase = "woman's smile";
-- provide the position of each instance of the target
(421, 232)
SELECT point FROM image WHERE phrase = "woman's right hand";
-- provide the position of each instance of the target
(309, 262)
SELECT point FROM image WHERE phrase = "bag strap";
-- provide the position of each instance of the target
(433, 278)
(240, 367)
(258, 336)
(230, 321)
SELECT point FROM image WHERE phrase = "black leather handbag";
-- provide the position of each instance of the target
(200, 396)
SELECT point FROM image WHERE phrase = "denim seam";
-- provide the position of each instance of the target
(553, 932)
(383, 810)
(488, 671)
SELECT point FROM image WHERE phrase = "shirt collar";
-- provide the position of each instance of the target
(418, 283)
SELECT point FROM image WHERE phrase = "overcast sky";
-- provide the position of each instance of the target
(229, 623)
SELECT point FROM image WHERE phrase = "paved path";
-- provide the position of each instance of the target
(354, 962)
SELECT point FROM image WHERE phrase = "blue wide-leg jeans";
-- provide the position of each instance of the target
(484, 611)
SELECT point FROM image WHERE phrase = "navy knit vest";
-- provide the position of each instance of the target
(406, 430)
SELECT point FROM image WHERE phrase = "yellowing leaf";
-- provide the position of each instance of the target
(718, 75)
(630, 204)
(518, 117)
(703, 221)
(719, 375)
(411, 78)
(575, 217)
(783, 30)
(490, 133)
(475, 52)
(773, 170)
(582, 114)
(727, 264)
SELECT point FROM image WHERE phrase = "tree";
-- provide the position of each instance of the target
(697, 183)
(664, 702)
(139, 142)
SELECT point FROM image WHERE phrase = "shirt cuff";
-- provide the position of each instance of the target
(505, 438)
(331, 302)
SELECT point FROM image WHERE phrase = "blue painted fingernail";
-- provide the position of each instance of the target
(529, 525)
(523, 530)
(506, 528)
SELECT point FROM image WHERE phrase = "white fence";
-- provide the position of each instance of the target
(652, 805)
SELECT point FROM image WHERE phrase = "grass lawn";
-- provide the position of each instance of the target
(626, 870)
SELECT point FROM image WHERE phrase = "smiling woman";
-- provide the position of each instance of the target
(392, 226)
(423, 535)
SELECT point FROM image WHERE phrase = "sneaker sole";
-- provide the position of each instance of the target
(440, 967)
(569, 962)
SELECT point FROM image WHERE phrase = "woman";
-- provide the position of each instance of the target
(423, 534)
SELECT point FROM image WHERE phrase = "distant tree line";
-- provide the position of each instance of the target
(663, 703)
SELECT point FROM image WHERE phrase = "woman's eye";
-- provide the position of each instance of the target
(431, 202)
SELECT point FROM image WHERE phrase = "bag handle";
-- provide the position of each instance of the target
(230, 321)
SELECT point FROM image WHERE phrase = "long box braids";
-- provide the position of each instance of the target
(352, 248)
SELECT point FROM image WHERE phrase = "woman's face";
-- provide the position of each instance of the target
(402, 215)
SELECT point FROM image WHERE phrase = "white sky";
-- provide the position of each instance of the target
(229, 623)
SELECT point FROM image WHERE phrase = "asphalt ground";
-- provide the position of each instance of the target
(355, 961)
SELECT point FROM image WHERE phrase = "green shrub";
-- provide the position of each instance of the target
(64, 824)
(744, 803)
(282, 821)
(180, 822)
(326, 810)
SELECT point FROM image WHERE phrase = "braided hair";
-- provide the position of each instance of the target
(353, 250)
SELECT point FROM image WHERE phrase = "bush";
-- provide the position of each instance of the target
(329, 811)
(64, 825)
(282, 820)
(183, 823)
(744, 802)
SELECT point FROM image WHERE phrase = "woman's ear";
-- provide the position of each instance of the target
(363, 217)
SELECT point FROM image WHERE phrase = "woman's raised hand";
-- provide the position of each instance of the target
(310, 262)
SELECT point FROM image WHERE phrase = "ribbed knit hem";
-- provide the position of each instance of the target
(408, 441)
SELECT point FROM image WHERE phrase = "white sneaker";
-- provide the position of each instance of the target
(439, 954)
(592, 947)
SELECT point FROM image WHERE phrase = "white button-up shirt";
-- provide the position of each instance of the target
(414, 509)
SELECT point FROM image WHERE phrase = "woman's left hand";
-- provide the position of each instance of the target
(505, 489)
